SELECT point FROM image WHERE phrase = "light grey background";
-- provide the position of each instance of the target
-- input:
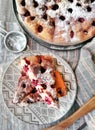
(6, 11)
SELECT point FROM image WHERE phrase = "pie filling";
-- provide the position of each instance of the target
(39, 81)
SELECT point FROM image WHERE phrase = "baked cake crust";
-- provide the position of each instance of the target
(60, 22)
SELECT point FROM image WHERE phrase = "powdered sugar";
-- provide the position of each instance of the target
(81, 11)
(78, 9)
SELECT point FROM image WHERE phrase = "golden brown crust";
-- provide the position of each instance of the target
(60, 84)
(85, 30)
(31, 25)
(21, 9)
(39, 29)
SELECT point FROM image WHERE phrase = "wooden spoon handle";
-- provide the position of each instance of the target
(84, 109)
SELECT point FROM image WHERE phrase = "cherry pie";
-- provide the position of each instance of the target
(60, 22)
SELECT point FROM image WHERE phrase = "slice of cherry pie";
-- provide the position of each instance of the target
(38, 81)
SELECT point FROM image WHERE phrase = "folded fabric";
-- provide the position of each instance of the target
(85, 74)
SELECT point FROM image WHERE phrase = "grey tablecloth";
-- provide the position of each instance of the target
(81, 60)
(82, 63)
(85, 73)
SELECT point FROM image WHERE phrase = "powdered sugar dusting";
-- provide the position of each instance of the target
(61, 16)
(63, 6)
(81, 11)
